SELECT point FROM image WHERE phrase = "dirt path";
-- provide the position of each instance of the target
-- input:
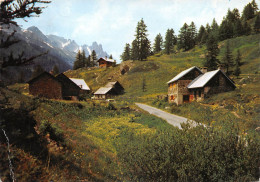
(170, 118)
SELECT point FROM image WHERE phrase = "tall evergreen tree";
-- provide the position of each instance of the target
(78, 61)
(170, 41)
(227, 60)
(126, 54)
(142, 43)
(246, 28)
(238, 58)
(202, 30)
(238, 28)
(158, 43)
(144, 85)
(184, 38)
(93, 58)
(192, 34)
(111, 56)
(212, 52)
(257, 24)
(83, 62)
(248, 12)
(255, 7)
(135, 50)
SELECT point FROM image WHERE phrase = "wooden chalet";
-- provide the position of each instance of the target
(194, 84)
(46, 85)
(105, 62)
(59, 87)
(110, 90)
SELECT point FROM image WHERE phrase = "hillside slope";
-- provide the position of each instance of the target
(159, 69)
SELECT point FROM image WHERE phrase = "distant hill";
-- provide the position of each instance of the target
(61, 52)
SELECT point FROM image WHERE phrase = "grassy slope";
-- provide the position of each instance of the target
(161, 68)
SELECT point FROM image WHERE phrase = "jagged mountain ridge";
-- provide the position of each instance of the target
(61, 52)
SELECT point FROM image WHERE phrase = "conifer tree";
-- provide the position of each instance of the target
(237, 70)
(192, 34)
(202, 30)
(170, 41)
(144, 85)
(93, 58)
(141, 45)
(158, 43)
(126, 54)
(78, 61)
(83, 62)
(55, 70)
(254, 6)
(238, 58)
(257, 24)
(184, 38)
(111, 56)
(227, 60)
(248, 12)
(212, 52)
(246, 28)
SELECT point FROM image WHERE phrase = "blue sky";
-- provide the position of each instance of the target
(112, 22)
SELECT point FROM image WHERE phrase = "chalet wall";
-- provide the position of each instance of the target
(46, 87)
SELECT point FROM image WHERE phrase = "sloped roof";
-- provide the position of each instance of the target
(203, 79)
(110, 84)
(108, 60)
(40, 75)
(81, 83)
(183, 73)
(103, 90)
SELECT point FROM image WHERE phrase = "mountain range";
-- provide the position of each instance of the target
(60, 51)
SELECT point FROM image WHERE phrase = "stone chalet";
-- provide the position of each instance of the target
(105, 62)
(110, 90)
(195, 84)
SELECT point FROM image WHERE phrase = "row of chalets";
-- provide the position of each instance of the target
(62, 87)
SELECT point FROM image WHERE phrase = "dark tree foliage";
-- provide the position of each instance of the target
(158, 43)
(227, 60)
(126, 54)
(170, 41)
(248, 12)
(257, 24)
(202, 31)
(84, 60)
(11, 10)
(78, 61)
(184, 38)
(93, 58)
(193, 34)
(212, 52)
(111, 56)
(144, 85)
(141, 45)
(238, 58)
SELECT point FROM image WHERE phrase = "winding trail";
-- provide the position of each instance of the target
(170, 118)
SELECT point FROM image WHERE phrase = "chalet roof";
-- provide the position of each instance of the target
(103, 90)
(183, 73)
(108, 60)
(81, 83)
(110, 84)
(40, 75)
(203, 79)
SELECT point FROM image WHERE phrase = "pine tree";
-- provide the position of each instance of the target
(37, 71)
(88, 63)
(248, 12)
(55, 70)
(202, 30)
(238, 58)
(212, 52)
(158, 42)
(225, 30)
(255, 7)
(227, 60)
(246, 28)
(238, 28)
(141, 44)
(83, 62)
(93, 58)
(144, 85)
(170, 41)
(193, 35)
(184, 38)
(78, 61)
(257, 24)
(126, 54)
(110, 57)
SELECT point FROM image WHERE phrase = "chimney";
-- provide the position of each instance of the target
(222, 68)
(204, 69)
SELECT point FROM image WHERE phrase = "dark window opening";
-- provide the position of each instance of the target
(199, 93)
(186, 98)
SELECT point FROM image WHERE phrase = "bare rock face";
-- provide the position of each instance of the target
(124, 69)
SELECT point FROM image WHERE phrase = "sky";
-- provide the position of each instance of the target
(112, 23)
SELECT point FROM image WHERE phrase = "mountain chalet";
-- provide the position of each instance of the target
(195, 84)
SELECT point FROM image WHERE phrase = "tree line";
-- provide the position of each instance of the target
(232, 25)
